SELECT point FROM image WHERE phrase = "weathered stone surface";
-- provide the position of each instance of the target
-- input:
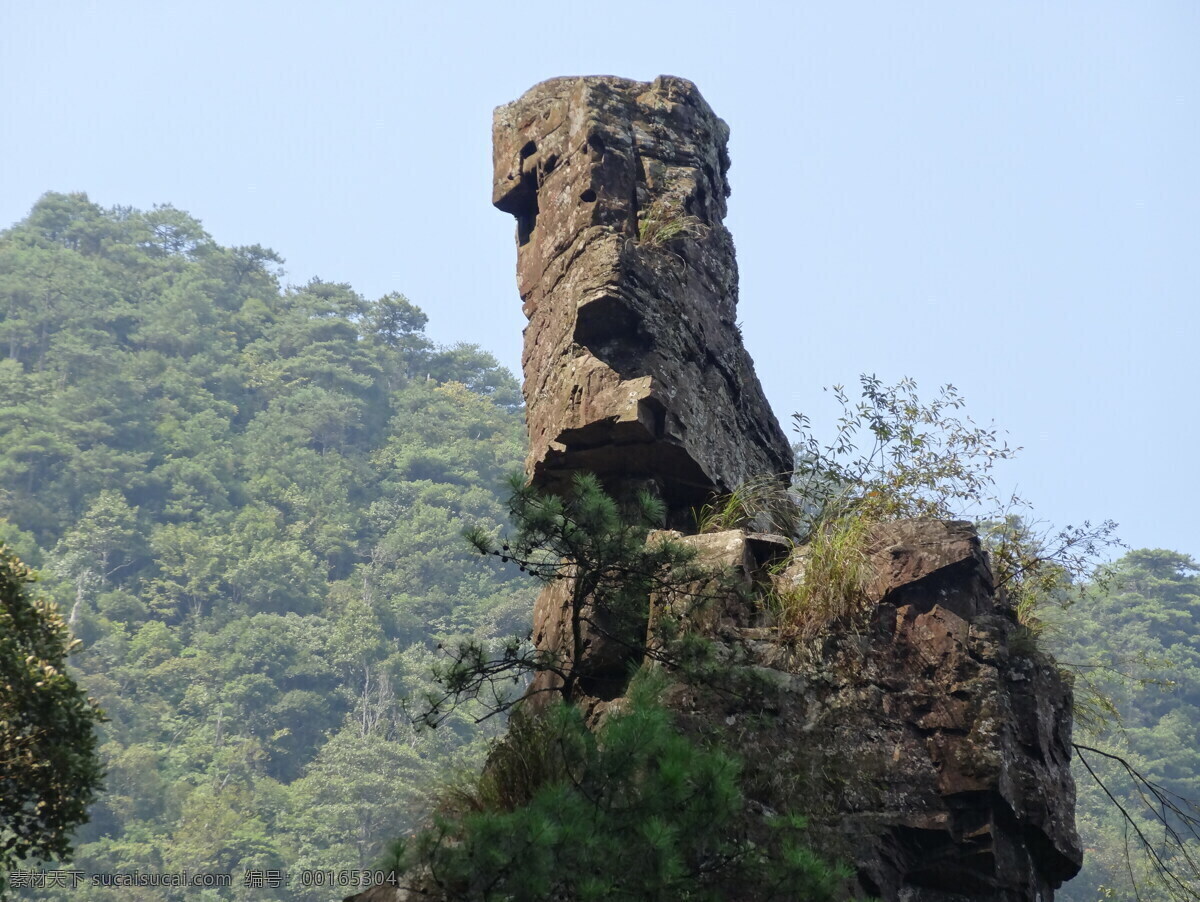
(634, 365)
(930, 749)
(904, 553)
(606, 659)
(929, 744)
(982, 725)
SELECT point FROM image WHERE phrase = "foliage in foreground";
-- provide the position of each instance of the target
(633, 810)
(630, 812)
(49, 769)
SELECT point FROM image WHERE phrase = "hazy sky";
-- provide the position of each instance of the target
(1003, 196)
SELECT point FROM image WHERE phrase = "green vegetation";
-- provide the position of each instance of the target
(608, 566)
(662, 221)
(893, 456)
(917, 460)
(832, 579)
(758, 499)
(249, 500)
(1136, 639)
(632, 811)
(49, 771)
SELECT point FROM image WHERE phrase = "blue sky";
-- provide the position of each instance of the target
(1002, 196)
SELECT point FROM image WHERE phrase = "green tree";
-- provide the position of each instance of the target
(357, 789)
(1134, 638)
(169, 231)
(104, 541)
(49, 771)
(631, 812)
(224, 471)
(583, 541)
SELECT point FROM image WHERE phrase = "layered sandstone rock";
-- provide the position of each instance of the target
(634, 365)
(927, 740)
(940, 755)
(929, 743)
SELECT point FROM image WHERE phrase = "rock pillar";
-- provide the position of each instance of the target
(634, 364)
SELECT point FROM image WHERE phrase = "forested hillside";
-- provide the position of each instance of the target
(1136, 640)
(249, 500)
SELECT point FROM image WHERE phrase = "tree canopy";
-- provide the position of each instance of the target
(247, 498)
(1138, 634)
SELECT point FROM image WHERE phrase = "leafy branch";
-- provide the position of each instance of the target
(895, 456)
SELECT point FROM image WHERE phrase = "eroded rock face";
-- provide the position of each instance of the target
(927, 741)
(634, 365)
(953, 748)
(930, 745)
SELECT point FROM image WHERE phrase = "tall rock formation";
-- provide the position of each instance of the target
(929, 742)
(634, 365)
(933, 749)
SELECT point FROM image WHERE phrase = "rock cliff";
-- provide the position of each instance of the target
(929, 743)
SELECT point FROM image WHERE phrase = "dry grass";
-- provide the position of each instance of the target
(762, 497)
(824, 580)
(661, 221)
